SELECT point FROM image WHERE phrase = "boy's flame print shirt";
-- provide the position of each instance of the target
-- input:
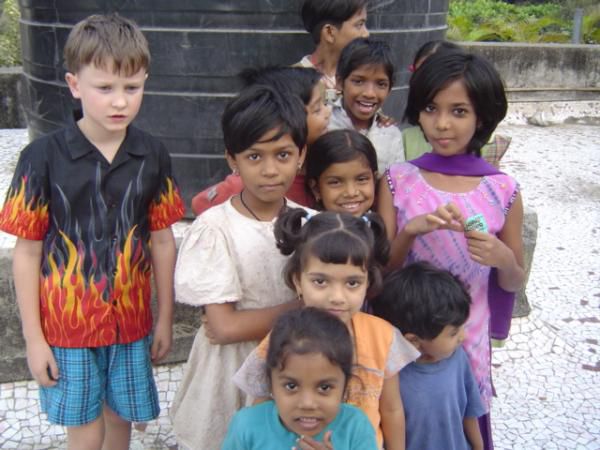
(95, 219)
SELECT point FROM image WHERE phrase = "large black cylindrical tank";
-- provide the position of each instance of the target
(197, 48)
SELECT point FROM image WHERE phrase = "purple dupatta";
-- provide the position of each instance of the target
(501, 302)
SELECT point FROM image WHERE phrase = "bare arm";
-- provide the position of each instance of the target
(27, 259)
(472, 432)
(163, 253)
(511, 275)
(505, 252)
(392, 415)
(385, 207)
(226, 325)
(401, 242)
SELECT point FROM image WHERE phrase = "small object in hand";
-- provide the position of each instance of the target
(476, 223)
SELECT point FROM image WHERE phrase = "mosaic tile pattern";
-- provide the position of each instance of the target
(547, 376)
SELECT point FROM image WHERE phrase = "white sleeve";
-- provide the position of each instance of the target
(401, 354)
(206, 272)
(251, 377)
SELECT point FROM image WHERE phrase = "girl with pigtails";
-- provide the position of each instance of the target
(335, 259)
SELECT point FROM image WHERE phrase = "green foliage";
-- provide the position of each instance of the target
(10, 41)
(495, 20)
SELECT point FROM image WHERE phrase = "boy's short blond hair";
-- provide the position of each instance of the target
(109, 42)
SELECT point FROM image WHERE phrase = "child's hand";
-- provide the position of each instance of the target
(42, 364)
(161, 344)
(445, 217)
(308, 443)
(208, 332)
(488, 250)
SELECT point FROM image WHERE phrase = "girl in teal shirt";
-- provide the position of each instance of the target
(309, 362)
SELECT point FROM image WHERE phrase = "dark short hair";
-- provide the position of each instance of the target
(310, 330)
(333, 238)
(317, 13)
(102, 40)
(299, 81)
(435, 46)
(338, 146)
(257, 110)
(481, 80)
(422, 299)
(365, 52)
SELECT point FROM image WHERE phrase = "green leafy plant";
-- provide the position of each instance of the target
(495, 20)
(10, 42)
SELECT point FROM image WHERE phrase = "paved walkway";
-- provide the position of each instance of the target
(548, 374)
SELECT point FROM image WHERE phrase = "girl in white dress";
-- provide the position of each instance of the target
(228, 262)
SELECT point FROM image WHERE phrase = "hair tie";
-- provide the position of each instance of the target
(309, 215)
(411, 68)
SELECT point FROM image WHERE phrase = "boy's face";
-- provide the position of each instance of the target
(267, 168)
(443, 345)
(363, 93)
(353, 28)
(110, 101)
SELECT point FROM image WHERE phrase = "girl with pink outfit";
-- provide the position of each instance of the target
(452, 208)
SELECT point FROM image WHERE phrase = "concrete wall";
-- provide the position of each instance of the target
(544, 72)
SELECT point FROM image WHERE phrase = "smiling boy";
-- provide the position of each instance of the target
(91, 205)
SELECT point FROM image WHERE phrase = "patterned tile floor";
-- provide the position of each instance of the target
(548, 374)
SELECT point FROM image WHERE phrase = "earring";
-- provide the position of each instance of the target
(234, 172)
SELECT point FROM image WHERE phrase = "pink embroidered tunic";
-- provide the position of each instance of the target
(413, 196)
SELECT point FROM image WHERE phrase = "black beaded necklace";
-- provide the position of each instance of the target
(252, 212)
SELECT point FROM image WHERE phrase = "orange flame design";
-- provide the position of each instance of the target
(168, 209)
(79, 310)
(26, 219)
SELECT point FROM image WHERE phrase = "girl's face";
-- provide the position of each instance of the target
(308, 391)
(317, 115)
(449, 121)
(337, 288)
(267, 168)
(363, 93)
(346, 187)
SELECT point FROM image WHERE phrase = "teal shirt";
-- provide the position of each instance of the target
(259, 428)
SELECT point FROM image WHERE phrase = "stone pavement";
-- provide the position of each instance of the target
(547, 376)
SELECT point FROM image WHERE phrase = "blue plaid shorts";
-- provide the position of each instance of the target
(119, 374)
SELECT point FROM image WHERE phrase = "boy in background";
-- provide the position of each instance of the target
(91, 205)
(439, 392)
(332, 25)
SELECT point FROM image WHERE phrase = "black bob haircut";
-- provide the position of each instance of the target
(365, 52)
(481, 80)
(257, 110)
(299, 81)
(422, 299)
(435, 46)
(317, 13)
(310, 330)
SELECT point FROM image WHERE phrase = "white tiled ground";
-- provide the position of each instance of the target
(547, 376)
